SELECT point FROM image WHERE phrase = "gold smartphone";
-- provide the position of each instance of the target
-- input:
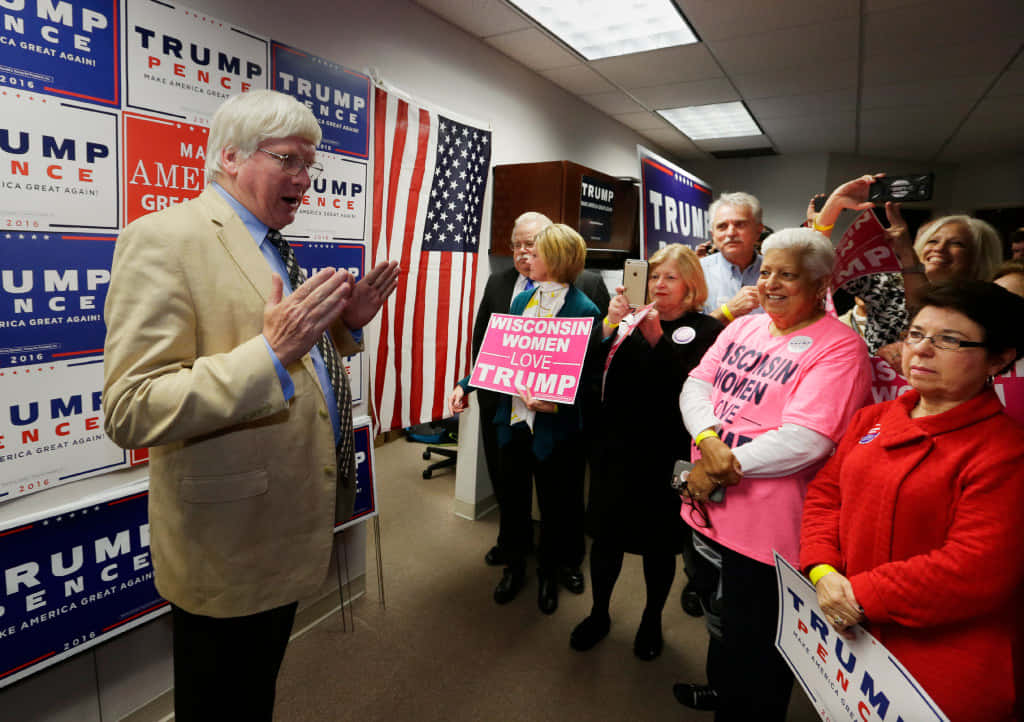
(634, 279)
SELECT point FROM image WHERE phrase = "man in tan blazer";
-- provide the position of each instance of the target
(211, 360)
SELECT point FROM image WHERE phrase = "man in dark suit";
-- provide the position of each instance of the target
(497, 297)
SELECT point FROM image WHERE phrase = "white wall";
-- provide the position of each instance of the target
(782, 183)
(989, 183)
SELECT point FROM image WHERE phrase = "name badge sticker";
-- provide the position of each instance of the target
(799, 344)
(684, 335)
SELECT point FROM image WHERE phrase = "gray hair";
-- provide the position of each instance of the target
(817, 256)
(532, 217)
(246, 120)
(986, 248)
(740, 200)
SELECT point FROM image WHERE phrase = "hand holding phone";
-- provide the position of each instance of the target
(902, 188)
(634, 279)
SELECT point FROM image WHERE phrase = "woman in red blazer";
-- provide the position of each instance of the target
(913, 528)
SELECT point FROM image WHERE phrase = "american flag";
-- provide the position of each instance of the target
(429, 177)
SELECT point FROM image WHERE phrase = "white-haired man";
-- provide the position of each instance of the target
(224, 360)
(731, 274)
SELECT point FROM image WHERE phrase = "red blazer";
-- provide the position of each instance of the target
(925, 517)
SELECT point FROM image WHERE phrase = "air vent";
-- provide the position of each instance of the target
(743, 153)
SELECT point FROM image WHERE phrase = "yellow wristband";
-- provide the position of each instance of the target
(705, 434)
(727, 313)
(609, 324)
(820, 570)
(821, 229)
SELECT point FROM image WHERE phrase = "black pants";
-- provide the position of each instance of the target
(559, 479)
(226, 668)
(605, 565)
(489, 437)
(752, 679)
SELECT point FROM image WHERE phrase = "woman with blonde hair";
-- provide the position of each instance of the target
(633, 508)
(541, 438)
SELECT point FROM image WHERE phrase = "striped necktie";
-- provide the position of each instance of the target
(345, 449)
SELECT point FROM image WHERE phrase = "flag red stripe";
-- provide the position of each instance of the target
(408, 243)
(444, 314)
(380, 112)
(380, 136)
(419, 363)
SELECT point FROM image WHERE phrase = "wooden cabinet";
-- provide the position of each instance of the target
(603, 208)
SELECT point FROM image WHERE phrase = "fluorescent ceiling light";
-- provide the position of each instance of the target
(718, 120)
(603, 28)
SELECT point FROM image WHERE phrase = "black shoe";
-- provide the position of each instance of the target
(696, 696)
(495, 557)
(547, 594)
(648, 642)
(691, 601)
(512, 580)
(589, 632)
(571, 578)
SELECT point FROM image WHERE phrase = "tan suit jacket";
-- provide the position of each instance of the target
(243, 491)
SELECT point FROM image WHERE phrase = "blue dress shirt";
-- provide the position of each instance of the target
(258, 229)
(725, 279)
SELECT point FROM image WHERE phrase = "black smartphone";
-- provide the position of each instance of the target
(902, 188)
(819, 202)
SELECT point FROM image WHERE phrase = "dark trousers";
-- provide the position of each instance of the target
(489, 437)
(752, 679)
(226, 668)
(559, 479)
(605, 565)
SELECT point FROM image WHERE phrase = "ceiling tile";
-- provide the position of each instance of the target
(840, 124)
(958, 91)
(614, 103)
(675, 141)
(797, 80)
(578, 79)
(830, 102)
(941, 24)
(678, 95)
(813, 46)
(642, 121)
(748, 141)
(533, 49)
(642, 70)
(932, 121)
(480, 17)
(949, 61)
(723, 19)
(1012, 83)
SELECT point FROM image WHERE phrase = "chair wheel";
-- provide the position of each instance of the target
(426, 455)
(426, 473)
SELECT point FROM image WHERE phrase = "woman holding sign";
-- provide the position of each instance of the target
(647, 355)
(765, 408)
(541, 438)
(914, 526)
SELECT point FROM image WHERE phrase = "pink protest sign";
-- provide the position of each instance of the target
(1010, 388)
(886, 382)
(862, 250)
(544, 355)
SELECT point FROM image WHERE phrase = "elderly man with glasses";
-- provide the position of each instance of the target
(225, 360)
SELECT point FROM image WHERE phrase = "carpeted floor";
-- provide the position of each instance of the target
(443, 650)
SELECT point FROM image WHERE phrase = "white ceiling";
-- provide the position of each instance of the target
(932, 80)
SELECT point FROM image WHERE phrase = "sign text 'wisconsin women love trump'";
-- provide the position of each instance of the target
(544, 355)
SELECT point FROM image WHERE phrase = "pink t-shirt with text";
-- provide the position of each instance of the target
(816, 377)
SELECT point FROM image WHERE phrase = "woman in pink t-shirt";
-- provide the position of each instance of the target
(765, 408)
